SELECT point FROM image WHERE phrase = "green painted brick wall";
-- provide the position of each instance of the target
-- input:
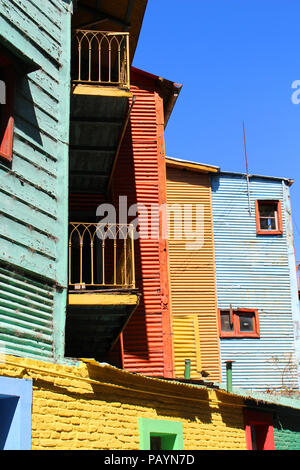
(287, 430)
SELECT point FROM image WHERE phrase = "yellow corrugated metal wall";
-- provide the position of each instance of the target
(192, 277)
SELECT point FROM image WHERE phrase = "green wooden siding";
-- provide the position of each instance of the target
(34, 191)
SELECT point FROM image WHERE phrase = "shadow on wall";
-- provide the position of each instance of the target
(25, 113)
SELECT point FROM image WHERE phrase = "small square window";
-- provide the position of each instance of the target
(157, 434)
(268, 218)
(241, 323)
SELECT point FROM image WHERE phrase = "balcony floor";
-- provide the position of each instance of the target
(95, 320)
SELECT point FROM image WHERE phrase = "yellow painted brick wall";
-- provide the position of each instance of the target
(97, 407)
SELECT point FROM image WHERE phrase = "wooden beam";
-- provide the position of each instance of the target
(199, 167)
(99, 298)
(96, 90)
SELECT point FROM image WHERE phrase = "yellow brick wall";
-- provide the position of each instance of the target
(97, 407)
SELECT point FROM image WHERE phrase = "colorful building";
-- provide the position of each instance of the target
(234, 292)
(256, 280)
(192, 270)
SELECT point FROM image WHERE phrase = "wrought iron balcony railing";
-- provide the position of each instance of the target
(101, 58)
(101, 256)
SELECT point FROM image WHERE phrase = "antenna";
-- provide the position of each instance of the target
(247, 171)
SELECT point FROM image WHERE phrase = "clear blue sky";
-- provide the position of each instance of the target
(237, 60)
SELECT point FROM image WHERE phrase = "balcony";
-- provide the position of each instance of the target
(101, 58)
(102, 294)
(101, 256)
(99, 106)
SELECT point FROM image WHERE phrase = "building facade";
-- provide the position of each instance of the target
(256, 280)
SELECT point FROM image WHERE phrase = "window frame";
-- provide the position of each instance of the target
(7, 131)
(158, 427)
(236, 333)
(17, 433)
(259, 230)
(254, 418)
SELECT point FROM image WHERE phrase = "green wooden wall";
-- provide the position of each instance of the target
(34, 190)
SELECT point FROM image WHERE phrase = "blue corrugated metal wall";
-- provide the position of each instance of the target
(34, 191)
(254, 272)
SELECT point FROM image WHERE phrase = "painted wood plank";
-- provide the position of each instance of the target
(19, 187)
(46, 82)
(21, 42)
(35, 158)
(32, 135)
(38, 13)
(33, 174)
(36, 117)
(30, 29)
(41, 94)
(27, 236)
(36, 263)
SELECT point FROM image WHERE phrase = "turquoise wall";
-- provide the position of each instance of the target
(34, 190)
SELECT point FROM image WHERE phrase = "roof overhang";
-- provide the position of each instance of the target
(191, 166)
(167, 89)
(118, 16)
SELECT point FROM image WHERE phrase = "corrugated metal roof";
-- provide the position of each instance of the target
(260, 398)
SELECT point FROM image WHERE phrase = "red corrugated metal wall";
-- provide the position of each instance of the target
(139, 174)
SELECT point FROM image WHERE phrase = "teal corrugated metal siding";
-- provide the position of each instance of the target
(26, 311)
(253, 272)
(34, 191)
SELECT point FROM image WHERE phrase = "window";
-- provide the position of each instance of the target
(6, 108)
(259, 430)
(156, 434)
(15, 412)
(241, 323)
(268, 218)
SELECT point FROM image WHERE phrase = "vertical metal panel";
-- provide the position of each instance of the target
(33, 228)
(186, 344)
(137, 176)
(192, 272)
(253, 272)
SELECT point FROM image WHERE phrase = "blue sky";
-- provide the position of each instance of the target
(237, 60)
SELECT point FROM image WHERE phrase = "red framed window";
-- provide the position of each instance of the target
(268, 217)
(7, 79)
(240, 323)
(259, 430)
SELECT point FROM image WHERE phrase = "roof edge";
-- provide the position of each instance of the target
(191, 166)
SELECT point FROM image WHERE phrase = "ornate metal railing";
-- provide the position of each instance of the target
(101, 58)
(101, 256)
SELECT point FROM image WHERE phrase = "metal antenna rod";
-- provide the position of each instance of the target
(247, 171)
